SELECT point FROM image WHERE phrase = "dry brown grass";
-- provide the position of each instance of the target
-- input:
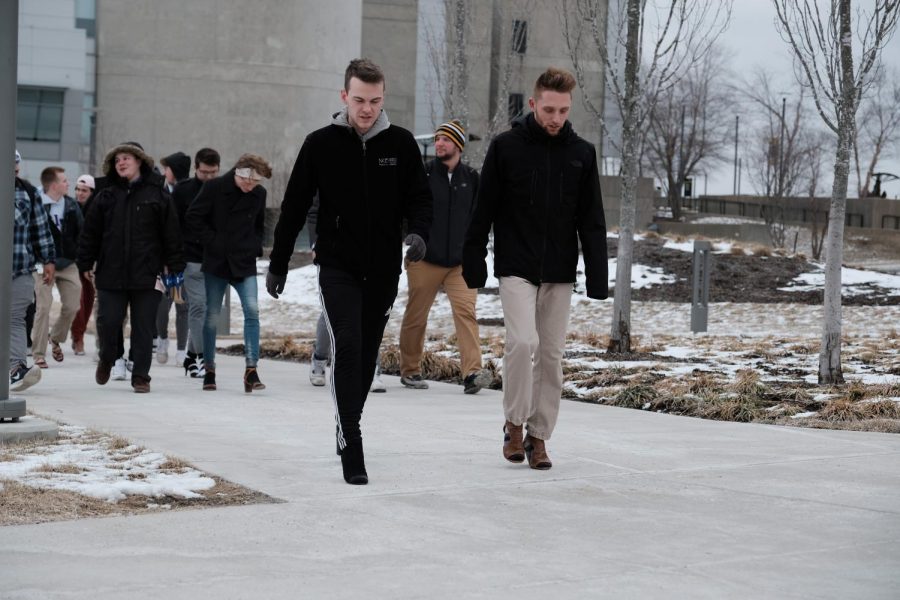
(117, 442)
(635, 396)
(760, 250)
(747, 383)
(173, 463)
(737, 250)
(70, 468)
(24, 504)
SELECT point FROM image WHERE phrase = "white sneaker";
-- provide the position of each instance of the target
(377, 384)
(317, 371)
(180, 355)
(162, 351)
(119, 372)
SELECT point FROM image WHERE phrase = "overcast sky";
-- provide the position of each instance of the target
(754, 41)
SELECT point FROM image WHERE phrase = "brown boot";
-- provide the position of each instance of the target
(513, 451)
(537, 454)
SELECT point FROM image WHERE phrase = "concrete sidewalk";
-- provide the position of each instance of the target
(637, 505)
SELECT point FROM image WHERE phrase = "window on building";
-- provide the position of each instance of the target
(39, 113)
(87, 118)
(86, 16)
(854, 220)
(890, 222)
(519, 36)
(515, 106)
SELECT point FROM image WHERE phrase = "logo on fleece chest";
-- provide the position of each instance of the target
(390, 161)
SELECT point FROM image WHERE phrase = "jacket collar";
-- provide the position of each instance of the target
(341, 119)
(528, 125)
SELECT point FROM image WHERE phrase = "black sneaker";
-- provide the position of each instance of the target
(23, 377)
(414, 381)
(475, 381)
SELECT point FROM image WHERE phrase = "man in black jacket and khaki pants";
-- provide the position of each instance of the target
(454, 185)
(369, 177)
(540, 190)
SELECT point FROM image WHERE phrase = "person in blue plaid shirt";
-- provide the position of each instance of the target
(32, 241)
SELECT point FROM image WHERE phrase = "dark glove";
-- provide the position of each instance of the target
(416, 250)
(275, 284)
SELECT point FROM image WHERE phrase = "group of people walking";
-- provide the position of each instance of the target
(538, 191)
(142, 239)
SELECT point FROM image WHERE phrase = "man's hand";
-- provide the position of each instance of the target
(275, 284)
(416, 250)
(49, 273)
(89, 275)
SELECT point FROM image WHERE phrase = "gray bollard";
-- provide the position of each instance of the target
(700, 301)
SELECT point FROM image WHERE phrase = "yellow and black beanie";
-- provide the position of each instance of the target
(453, 130)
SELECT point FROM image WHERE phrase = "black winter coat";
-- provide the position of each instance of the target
(229, 225)
(541, 194)
(131, 232)
(454, 202)
(365, 192)
(183, 194)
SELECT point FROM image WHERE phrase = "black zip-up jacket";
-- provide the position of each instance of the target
(65, 239)
(541, 194)
(454, 201)
(131, 233)
(229, 225)
(184, 194)
(367, 186)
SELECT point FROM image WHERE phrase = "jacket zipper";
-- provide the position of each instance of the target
(366, 205)
(546, 210)
(449, 205)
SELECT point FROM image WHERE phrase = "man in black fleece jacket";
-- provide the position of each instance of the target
(540, 191)
(369, 177)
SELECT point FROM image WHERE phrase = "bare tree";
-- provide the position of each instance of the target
(682, 33)
(818, 223)
(688, 128)
(879, 129)
(779, 150)
(456, 43)
(822, 43)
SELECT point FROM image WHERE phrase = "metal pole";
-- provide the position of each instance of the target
(781, 151)
(737, 120)
(9, 51)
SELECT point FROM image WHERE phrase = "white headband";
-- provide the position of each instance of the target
(248, 173)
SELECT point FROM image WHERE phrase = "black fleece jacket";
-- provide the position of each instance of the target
(366, 189)
(541, 194)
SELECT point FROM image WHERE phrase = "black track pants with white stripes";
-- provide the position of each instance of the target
(356, 312)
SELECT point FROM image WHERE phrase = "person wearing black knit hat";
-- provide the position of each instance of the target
(454, 186)
(177, 168)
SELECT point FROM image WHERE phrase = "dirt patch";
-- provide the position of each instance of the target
(26, 505)
(734, 277)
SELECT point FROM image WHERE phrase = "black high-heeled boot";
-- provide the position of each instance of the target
(209, 380)
(251, 380)
(354, 464)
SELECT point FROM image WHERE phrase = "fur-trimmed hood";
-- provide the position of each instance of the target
(109, 163)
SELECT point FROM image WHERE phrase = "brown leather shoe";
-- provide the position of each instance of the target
(513, 451)
(536, 452)
(140, 384)
(101, 375)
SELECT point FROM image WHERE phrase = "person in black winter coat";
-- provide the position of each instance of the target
(540, 190)
(227, 218)
(206, 167)
(369, 177)
(130, 236)
(454, 186)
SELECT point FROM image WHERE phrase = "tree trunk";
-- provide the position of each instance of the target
(830, 354)
(620, 336)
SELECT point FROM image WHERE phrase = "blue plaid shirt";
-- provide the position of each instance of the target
(32, 238)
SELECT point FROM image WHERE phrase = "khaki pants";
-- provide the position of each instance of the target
(69, 285)
(536, 319)
(424, 281)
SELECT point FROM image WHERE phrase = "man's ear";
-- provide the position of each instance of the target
(344, 96)
(531, 103)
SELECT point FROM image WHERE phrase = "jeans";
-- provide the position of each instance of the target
(215, 292)
(195, 290)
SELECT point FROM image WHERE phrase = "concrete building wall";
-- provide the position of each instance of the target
(234, 76)
(53, 54)
(390, 38)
